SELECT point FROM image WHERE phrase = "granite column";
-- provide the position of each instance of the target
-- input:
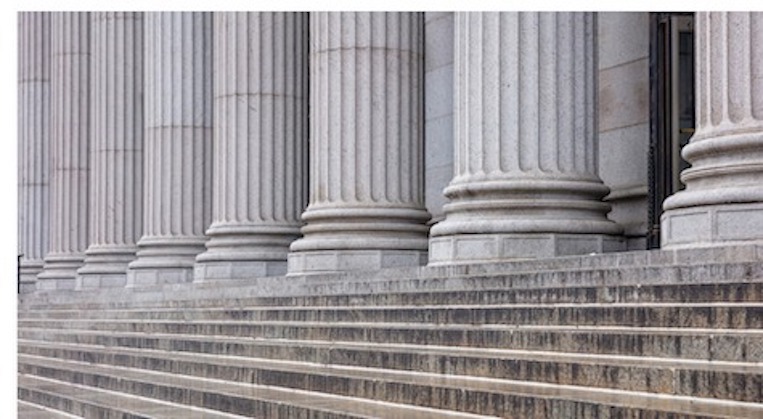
(116, 180)
(34, 144)
(526, 183)
(260, 144)
(366, 207)
(70, 129)
(177, 148)
(722, 203)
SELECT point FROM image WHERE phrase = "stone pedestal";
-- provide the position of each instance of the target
(70, 136)
(366, 164)
(723, 200)
(526, 183)
(116, 181)
(177, 148)
(34, 148)
(260, 144)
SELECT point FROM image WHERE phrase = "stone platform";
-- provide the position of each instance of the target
(638, 334)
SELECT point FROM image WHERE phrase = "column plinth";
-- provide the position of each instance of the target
(177, 148)
(34, 148)
(526, 183)
(116, 181)
(260, 144)
(366, 206)
(70, 136)
(722, 203)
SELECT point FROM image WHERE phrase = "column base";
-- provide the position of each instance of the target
(164, 260)
(59, 272)
(475, 248)
(712, 225)
(28, 271)
(324, 261)
(237, 270)
(105, 267)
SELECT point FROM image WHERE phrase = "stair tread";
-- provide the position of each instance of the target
(28, 410)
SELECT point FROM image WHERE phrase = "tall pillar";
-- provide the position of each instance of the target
(70, 129)
(723, 200)
(366, 206)
(34, 140)
(260, 144)
(526, 183)
(177, 149)
(116, 180)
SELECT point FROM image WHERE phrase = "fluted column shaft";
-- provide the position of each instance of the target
(366, 206)
(34, 140)
(177, 148)
(260, 144)
(723, 200)
(70, 126)
(116, 180)
(525, 182)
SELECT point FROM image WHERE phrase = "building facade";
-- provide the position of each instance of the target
(162, 147)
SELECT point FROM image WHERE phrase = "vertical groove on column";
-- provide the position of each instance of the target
(261, 111)
(178, 142)
(366, 194)
(527, 183)
(34, 74)
(70, 137)
(117, 148)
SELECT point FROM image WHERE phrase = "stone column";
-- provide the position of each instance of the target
(366, 206)
(177, 149)
(70, 129)
(260, 144)
(34, 139)
(723, 200)
(116, 180)
(526, 183)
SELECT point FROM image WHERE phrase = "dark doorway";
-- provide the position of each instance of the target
(671, 74)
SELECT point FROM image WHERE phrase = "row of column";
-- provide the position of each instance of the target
(148, 185)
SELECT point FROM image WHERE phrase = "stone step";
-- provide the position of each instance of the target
(695, 315)
(487, 396)
(247, 399)
(75, 400)
(28, 410)
(733, 292)
(724, 380)
(667, 342)
(469, 278)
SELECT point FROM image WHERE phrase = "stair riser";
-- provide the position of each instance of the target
(740, 387)
(696, 317)
(739, 347)
(457, 399)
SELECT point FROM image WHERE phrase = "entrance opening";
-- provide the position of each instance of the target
(671, 79)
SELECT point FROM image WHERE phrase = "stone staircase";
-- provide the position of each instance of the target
(631, 335)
